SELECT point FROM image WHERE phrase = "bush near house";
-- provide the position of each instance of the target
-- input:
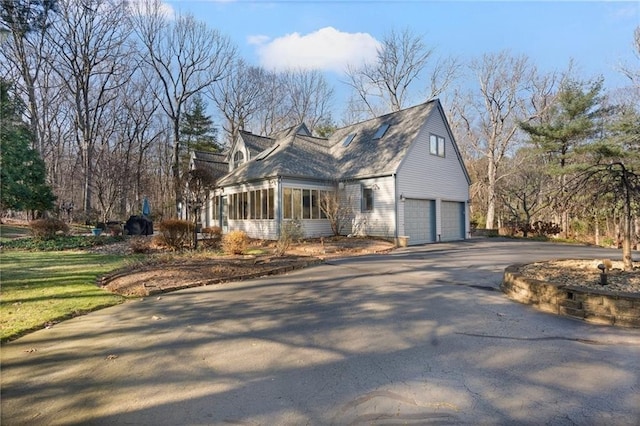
(48, 229)
(176, 233)
(290, 232)
(235, 242)
(211, 236)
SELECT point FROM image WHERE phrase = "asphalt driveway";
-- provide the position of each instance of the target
(418, 336)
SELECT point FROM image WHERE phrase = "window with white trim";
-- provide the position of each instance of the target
(367, 199)
(436, 145)
(303, 203)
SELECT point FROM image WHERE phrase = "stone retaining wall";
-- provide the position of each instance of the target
(596, 306)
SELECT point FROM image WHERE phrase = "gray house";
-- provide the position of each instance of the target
(400, 174)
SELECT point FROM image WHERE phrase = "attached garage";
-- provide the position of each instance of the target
(419, 221)
(452, 221)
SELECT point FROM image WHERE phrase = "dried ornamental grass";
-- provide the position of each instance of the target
(235, 242)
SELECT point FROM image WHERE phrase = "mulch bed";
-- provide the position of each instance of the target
(184, 272)
(585, 273)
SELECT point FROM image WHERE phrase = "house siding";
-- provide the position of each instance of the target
(425, 176)
(381, 220)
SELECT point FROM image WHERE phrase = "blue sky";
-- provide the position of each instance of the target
(597, 35)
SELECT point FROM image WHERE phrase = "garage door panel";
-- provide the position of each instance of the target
(452, 220)
(418, 221)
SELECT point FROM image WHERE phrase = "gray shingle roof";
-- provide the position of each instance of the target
(301, 156)
(213, 162)
(294, 156)
(255, 143)
(366, 156)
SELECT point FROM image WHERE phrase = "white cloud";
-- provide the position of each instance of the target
(325, 49)
(258, 39)
(167, 10)
(144, 7)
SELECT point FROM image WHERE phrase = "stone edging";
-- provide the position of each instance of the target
(591, 305)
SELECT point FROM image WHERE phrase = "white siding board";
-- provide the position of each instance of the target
(380, 222)
(422, 175)
(262, 229)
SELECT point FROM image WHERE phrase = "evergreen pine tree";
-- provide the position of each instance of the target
(198, 130)
(22, 172)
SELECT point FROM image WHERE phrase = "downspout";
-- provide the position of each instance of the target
(279, 211)
(395, 203)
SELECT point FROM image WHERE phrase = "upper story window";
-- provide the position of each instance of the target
(436, 145)
(238, 158)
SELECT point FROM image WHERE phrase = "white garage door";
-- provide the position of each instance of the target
(452, 221)
(419, 221)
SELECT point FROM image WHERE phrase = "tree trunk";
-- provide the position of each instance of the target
(491, 195)
(177, 179)
(627, 261)
(88, 171)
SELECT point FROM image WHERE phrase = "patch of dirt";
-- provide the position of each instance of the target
(182, 271)
(585, 273)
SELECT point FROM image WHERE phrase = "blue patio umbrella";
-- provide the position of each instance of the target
(146, 207)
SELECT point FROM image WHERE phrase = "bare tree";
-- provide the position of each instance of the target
(491, 116)
(309, 96)
(92, 62)
(632, 71)
(337, 210)
(239, 96)
(188, 57)
(524, 194)
(26, 23)
(401, 63)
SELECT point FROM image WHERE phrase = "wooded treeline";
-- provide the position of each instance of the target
(115, 94)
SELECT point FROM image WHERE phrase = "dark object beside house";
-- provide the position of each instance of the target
(139, 225)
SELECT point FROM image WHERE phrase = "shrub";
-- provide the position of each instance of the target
(114, 230)
(235, 242)
(290, 231)
(176, 233)
(47, 229)
(211, 236)
(140, 244)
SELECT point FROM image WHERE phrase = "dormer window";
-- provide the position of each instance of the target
(381, 131)
(238, 158)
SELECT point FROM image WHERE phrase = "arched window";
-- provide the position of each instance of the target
(238, 158)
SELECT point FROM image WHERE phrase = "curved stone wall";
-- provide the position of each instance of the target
(596, 306)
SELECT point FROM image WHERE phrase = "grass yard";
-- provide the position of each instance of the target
(9, 232)
(42, 287)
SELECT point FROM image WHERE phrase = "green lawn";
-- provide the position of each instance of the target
(8, 232)
(40, 287)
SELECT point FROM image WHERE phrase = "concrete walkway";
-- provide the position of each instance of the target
(419, 336)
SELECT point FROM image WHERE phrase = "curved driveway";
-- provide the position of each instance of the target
(418, 336)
